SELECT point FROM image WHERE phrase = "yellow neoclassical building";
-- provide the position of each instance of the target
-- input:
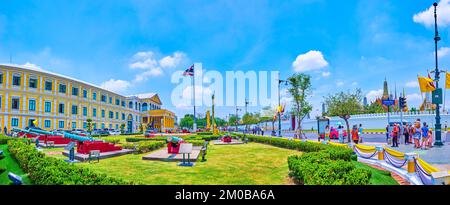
(59, 102)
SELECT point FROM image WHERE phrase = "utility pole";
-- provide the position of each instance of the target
(237, 118)
(246, 103)
(438, 141)
(279, 103)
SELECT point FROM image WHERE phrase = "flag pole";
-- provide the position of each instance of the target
(193, 97)
(445, 90)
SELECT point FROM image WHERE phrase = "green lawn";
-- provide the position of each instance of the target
(11, 166)
(379, 177)
(249, 164)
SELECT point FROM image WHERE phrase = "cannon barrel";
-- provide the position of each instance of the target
(20, 130)
(76, 137)
(41, 132)
(174, 139)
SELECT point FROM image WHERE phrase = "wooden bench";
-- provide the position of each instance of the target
(50, 144)
(94, 154)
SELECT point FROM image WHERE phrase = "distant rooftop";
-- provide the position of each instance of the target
(143, 95)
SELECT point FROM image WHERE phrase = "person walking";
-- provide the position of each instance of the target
(425, 134)
(395, 135)
(355, 136)
(341, 133)
(262, 130)
(327, 133)
(406, 133)
(387, 133)
(5, 130)
(360, 133)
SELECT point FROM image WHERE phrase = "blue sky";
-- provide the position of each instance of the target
(135, 46)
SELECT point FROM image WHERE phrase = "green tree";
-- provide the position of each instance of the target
(373, 107)
(233, 120)
(122, 128)
(89, 125)
(343, 105)
(300, 89)
(187, 121)
(141, 128)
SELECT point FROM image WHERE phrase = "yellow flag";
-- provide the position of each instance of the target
(426, 84)
(447, 80)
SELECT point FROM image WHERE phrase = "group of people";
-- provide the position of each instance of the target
(418, 133)
(356, 133)
(257, 130)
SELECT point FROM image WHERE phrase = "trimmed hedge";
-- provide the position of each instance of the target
(144, 147)
(44, 170)
(4, 139)
(204, 133)
(137, 139)
(320, 164)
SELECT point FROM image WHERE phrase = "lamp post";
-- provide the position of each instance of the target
(438, 141)
(237, 118)
(279, 103)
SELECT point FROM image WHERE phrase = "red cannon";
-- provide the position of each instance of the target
(85, 144)
(173, 145)
(226, 139)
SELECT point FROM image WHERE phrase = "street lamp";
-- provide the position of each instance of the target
(279, 103)
(237, 118)
(438, 141)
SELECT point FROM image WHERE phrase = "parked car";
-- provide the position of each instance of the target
(149, 133)
(100, 132)
(113, 132)
(80, 132)
(334, 134)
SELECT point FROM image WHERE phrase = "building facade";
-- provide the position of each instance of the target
(55, 101)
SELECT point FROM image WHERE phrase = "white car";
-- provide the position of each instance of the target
(113, 132)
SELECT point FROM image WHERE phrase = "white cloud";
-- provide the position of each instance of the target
(116, 85)
(339, 83)
(152, 66)
(412, 84)
(354, 83)
(172, 61)
(32, 66)
(374, 94)
(313, 60)
(414, 100)
(444, 51)
(426, 17)
(326, 74)
(200, 92)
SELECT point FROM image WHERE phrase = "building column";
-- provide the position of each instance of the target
(6, 108)
(7, 79)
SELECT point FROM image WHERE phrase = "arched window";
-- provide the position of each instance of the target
(130, 105)
(144, 107)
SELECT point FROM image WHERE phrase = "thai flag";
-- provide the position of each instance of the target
(189, 71)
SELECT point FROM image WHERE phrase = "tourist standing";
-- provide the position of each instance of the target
(360, 133)
(430, 137)
(341, 133)
(406, 133)
(387, 133)
(417, 134)
(425, 134)
(327, 133)
(262, 130)
(395, 135)
(5, 130)
(355, 136)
